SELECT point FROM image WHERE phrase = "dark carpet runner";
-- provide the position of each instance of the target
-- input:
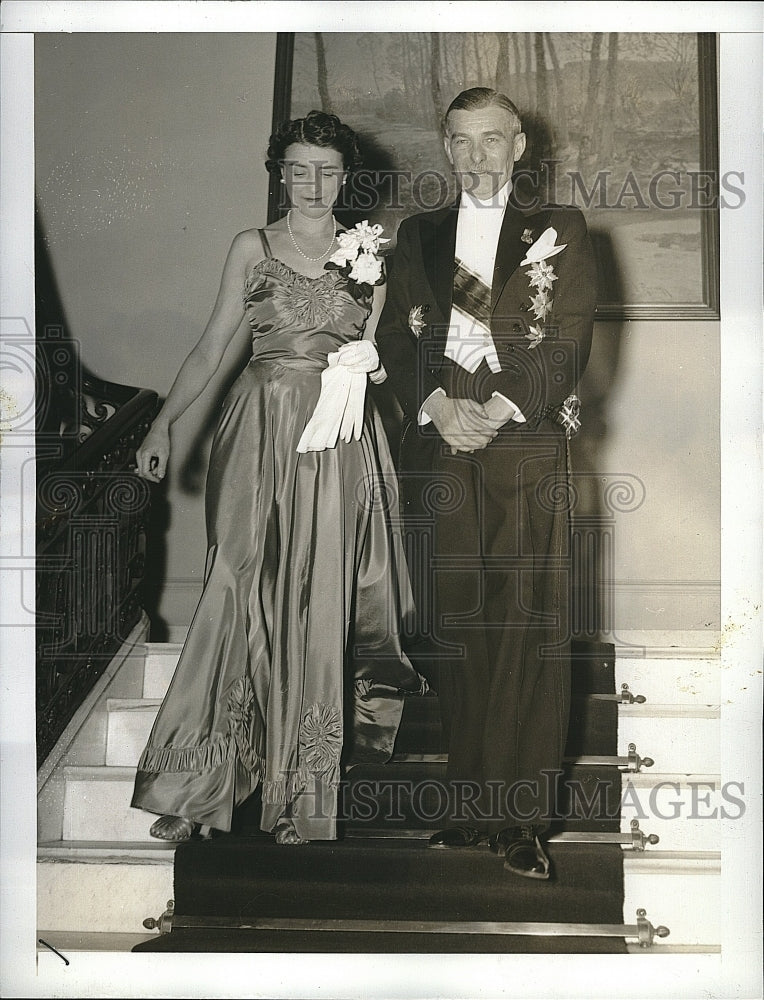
(359, 943)
(381, 870)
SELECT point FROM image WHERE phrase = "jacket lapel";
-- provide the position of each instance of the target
(438, 236)
(511, 248)
(438, 245)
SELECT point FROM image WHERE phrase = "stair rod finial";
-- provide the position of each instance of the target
(639, 840)
(646, 932)
(635, 761)
(162, 924)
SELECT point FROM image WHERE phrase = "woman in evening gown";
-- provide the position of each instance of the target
(293, 659)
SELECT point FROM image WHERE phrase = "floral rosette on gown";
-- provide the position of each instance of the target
(293, 661)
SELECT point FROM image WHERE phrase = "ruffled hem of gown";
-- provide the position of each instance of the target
(227, 747)
(212, 753)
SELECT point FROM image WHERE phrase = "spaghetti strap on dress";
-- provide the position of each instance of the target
(264, 241)
(293, 661)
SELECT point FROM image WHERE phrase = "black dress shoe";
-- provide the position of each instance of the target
(456, 836)
(499, 842)
(523, 852)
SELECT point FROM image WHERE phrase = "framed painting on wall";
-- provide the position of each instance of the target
(621, 124)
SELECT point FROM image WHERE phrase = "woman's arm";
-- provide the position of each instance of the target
(203, 361)
(379, 293)
(379, 374)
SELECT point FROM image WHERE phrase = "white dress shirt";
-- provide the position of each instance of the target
(477, 236)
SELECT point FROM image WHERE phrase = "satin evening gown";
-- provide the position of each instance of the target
(293, 660)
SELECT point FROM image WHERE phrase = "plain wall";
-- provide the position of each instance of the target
(150, 156)
(661, 437)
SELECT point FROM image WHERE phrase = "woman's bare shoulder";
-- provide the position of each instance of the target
(248, 248)
(248, 240)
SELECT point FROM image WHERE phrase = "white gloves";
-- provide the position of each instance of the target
(339, 410)
(322, 429)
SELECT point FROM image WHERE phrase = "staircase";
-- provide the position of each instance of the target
(99, 874)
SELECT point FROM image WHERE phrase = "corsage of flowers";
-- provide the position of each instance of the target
(541, 277)
(358, 256)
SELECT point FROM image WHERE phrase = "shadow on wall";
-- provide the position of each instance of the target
(592, 513)
(60, 371)
(593, 516)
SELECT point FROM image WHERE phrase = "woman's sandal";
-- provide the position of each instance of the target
(175, 828)
(285, 833)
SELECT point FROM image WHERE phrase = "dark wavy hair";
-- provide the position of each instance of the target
(316, 129)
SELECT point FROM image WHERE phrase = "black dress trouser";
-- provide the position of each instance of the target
(497, 596)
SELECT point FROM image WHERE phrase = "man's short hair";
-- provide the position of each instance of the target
(477, 98)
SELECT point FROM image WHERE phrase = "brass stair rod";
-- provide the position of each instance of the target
(642, 933)
(635, 838)
(624, 697)
(633, 762)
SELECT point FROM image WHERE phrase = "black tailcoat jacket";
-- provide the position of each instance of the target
(491, 573)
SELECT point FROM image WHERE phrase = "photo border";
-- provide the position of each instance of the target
(737, 971)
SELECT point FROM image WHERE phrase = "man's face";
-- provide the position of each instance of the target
(483, 146)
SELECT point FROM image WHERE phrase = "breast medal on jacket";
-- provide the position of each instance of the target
(525, 310)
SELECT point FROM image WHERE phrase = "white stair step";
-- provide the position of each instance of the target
(97, 806)
(676, 738)
(107, 874)
(671, 732)
(161, 661)
(128, 727)
(679, 891)
(66, 942)
(662, 680)
(684, 811)
(109, 896)
(666, 680)
(137, 852)
(79, 890)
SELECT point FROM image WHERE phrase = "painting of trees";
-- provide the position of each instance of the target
(624, 105)
(576, 83)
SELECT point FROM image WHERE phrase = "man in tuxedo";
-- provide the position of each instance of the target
(485, 332)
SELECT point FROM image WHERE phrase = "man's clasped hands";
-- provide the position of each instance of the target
(465, 424)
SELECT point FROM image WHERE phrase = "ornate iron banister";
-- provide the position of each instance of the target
(91, 525)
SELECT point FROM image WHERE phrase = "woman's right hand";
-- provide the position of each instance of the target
(151, 458)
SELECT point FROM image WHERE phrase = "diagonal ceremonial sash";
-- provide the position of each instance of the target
(472, 303)
(471, 307)
(472, 296)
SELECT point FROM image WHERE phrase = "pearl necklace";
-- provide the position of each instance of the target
(299, 249)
